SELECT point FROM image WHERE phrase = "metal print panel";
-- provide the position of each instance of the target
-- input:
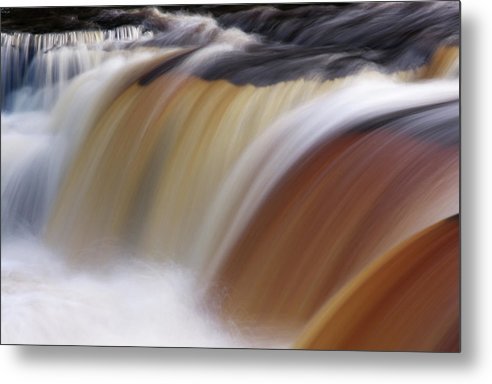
(240, 176)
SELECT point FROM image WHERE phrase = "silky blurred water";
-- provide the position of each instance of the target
(134, 159)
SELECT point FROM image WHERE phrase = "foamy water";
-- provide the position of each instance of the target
(46, 301)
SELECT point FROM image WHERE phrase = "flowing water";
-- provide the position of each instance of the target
(199, 179)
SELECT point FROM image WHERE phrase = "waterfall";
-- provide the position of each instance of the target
(192, 178)
(35, 67)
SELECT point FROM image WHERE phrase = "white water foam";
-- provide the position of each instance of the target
(46, 301)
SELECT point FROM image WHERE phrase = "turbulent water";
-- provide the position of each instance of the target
(232, 176)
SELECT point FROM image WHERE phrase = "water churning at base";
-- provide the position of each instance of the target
(194, 178)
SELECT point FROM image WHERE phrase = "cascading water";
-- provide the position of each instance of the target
(194, 178)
